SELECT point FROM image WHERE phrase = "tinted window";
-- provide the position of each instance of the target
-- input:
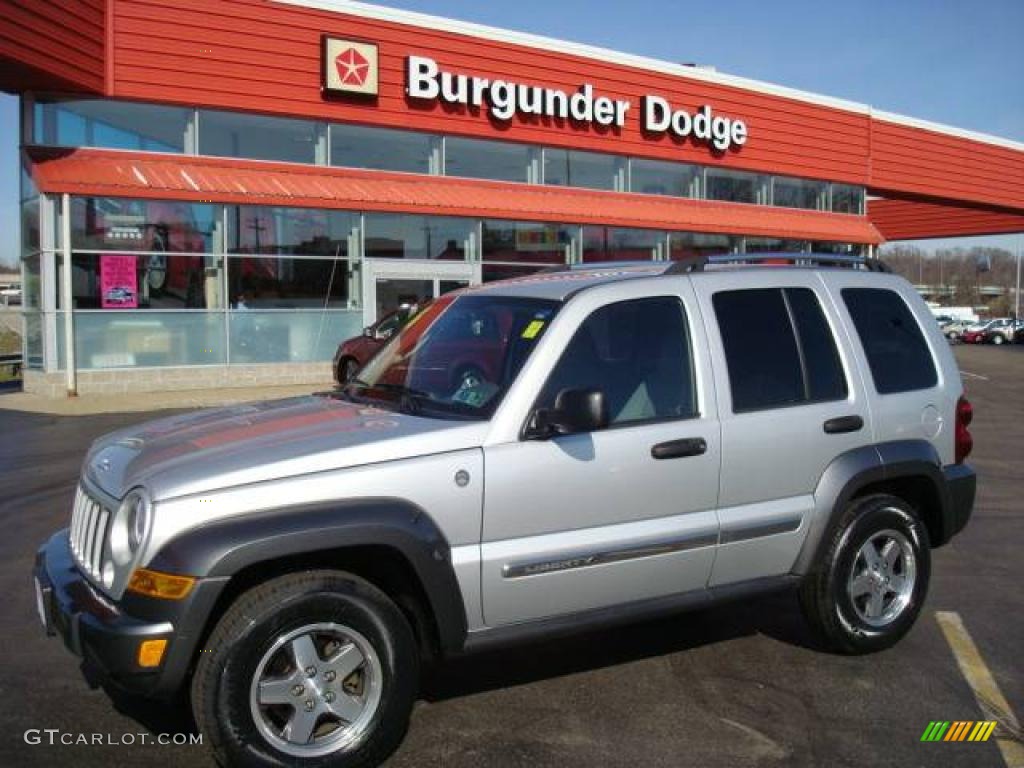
(572, 168)
(235, 134)
(657, 177)
(638, 353)
(760, 349)
(771, 362)
(112, 124)
(892, 340)
(381, 149)
(487, 159)
(825, 378)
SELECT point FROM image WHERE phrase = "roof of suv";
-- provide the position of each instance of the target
(559, 284)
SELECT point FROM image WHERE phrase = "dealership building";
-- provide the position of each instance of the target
(217, 192)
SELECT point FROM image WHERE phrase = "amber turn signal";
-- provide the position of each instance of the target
(151, 652)
(156, 584)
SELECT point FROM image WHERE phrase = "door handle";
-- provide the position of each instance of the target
(842, 424)
(678, 449)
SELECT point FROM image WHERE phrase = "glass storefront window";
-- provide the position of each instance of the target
(273, 282)
(148, 339)
(735, 186)
(844, 249)
(31, 281)
(683, 245)
(110, 124)
(126, 281)
(120, 224)
(591, 170)
(526, 242)
(658, 177)
(799, 193)
(381, 149)
(303, 336)
(847, 199)
(236, 134)
(619, 244)
(493, 272)
(497, 160)
(296, 231)
(402, 236)
(773, 245)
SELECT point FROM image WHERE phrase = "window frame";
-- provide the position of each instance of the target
(936, 368)
(798, 343)
(688, 335)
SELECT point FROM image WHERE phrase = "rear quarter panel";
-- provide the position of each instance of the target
(927, 414)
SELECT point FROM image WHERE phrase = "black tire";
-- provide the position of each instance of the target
(347, 368)
(220, 691)
(825, 593)
(998, 339)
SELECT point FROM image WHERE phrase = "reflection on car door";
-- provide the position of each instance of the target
(586, 521)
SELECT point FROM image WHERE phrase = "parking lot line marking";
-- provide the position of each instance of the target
(974, 375)
(990, 699)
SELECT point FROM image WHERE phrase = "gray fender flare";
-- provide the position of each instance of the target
(852, 471)
(217, 551)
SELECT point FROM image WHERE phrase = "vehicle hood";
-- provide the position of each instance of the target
(239, 445)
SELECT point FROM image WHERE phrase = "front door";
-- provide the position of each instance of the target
(622, 514)
(391, 283)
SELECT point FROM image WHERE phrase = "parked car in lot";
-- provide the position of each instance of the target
(956, 329)
(1001, 334)
(633, 440)
(11, 294)
(976, 333)
(353, 353)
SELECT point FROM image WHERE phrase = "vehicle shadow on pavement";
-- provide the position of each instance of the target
(776, 616)
(157, 716)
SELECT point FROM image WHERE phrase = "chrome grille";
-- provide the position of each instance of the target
(88, 533)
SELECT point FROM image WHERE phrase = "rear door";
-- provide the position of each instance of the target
(790, 400)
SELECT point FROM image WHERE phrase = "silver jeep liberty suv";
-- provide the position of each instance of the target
(538, 456)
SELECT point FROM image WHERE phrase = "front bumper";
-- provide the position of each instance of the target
(962, 484)
(106, 635)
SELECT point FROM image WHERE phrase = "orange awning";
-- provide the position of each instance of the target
(253, 182)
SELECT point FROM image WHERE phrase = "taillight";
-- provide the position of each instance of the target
(964, 441)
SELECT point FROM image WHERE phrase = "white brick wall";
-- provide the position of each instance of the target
(112, 382)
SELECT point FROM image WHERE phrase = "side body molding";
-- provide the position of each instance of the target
(223, 548)
(853, 470)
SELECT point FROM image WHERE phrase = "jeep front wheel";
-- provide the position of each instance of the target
(870, 585)
(313, 669)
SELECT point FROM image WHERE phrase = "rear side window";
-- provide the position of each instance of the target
(893, 342)
(778, 347)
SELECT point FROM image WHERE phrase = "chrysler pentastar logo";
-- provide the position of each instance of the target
(350, 66)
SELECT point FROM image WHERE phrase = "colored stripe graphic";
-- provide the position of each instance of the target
(935, 730)
(958, 730)
(955, 730)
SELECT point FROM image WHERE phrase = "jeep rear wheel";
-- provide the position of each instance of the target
(870, 585)
(314, 669)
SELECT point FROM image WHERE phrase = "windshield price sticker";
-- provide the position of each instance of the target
(533, 329)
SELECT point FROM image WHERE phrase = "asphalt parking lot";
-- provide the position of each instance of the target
(738, 685)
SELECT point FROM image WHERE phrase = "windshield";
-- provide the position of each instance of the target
(456, 358)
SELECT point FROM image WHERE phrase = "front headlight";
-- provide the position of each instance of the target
(131, 526)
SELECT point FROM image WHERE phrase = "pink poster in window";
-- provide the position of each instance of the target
(118, 283)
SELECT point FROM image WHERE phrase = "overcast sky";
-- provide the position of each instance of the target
(953, 61)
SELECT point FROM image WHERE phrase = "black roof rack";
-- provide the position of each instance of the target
(799, 259)
(689, 264)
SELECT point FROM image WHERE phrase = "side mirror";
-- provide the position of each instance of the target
(368, 332)
(576, 410)
(384, 334)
